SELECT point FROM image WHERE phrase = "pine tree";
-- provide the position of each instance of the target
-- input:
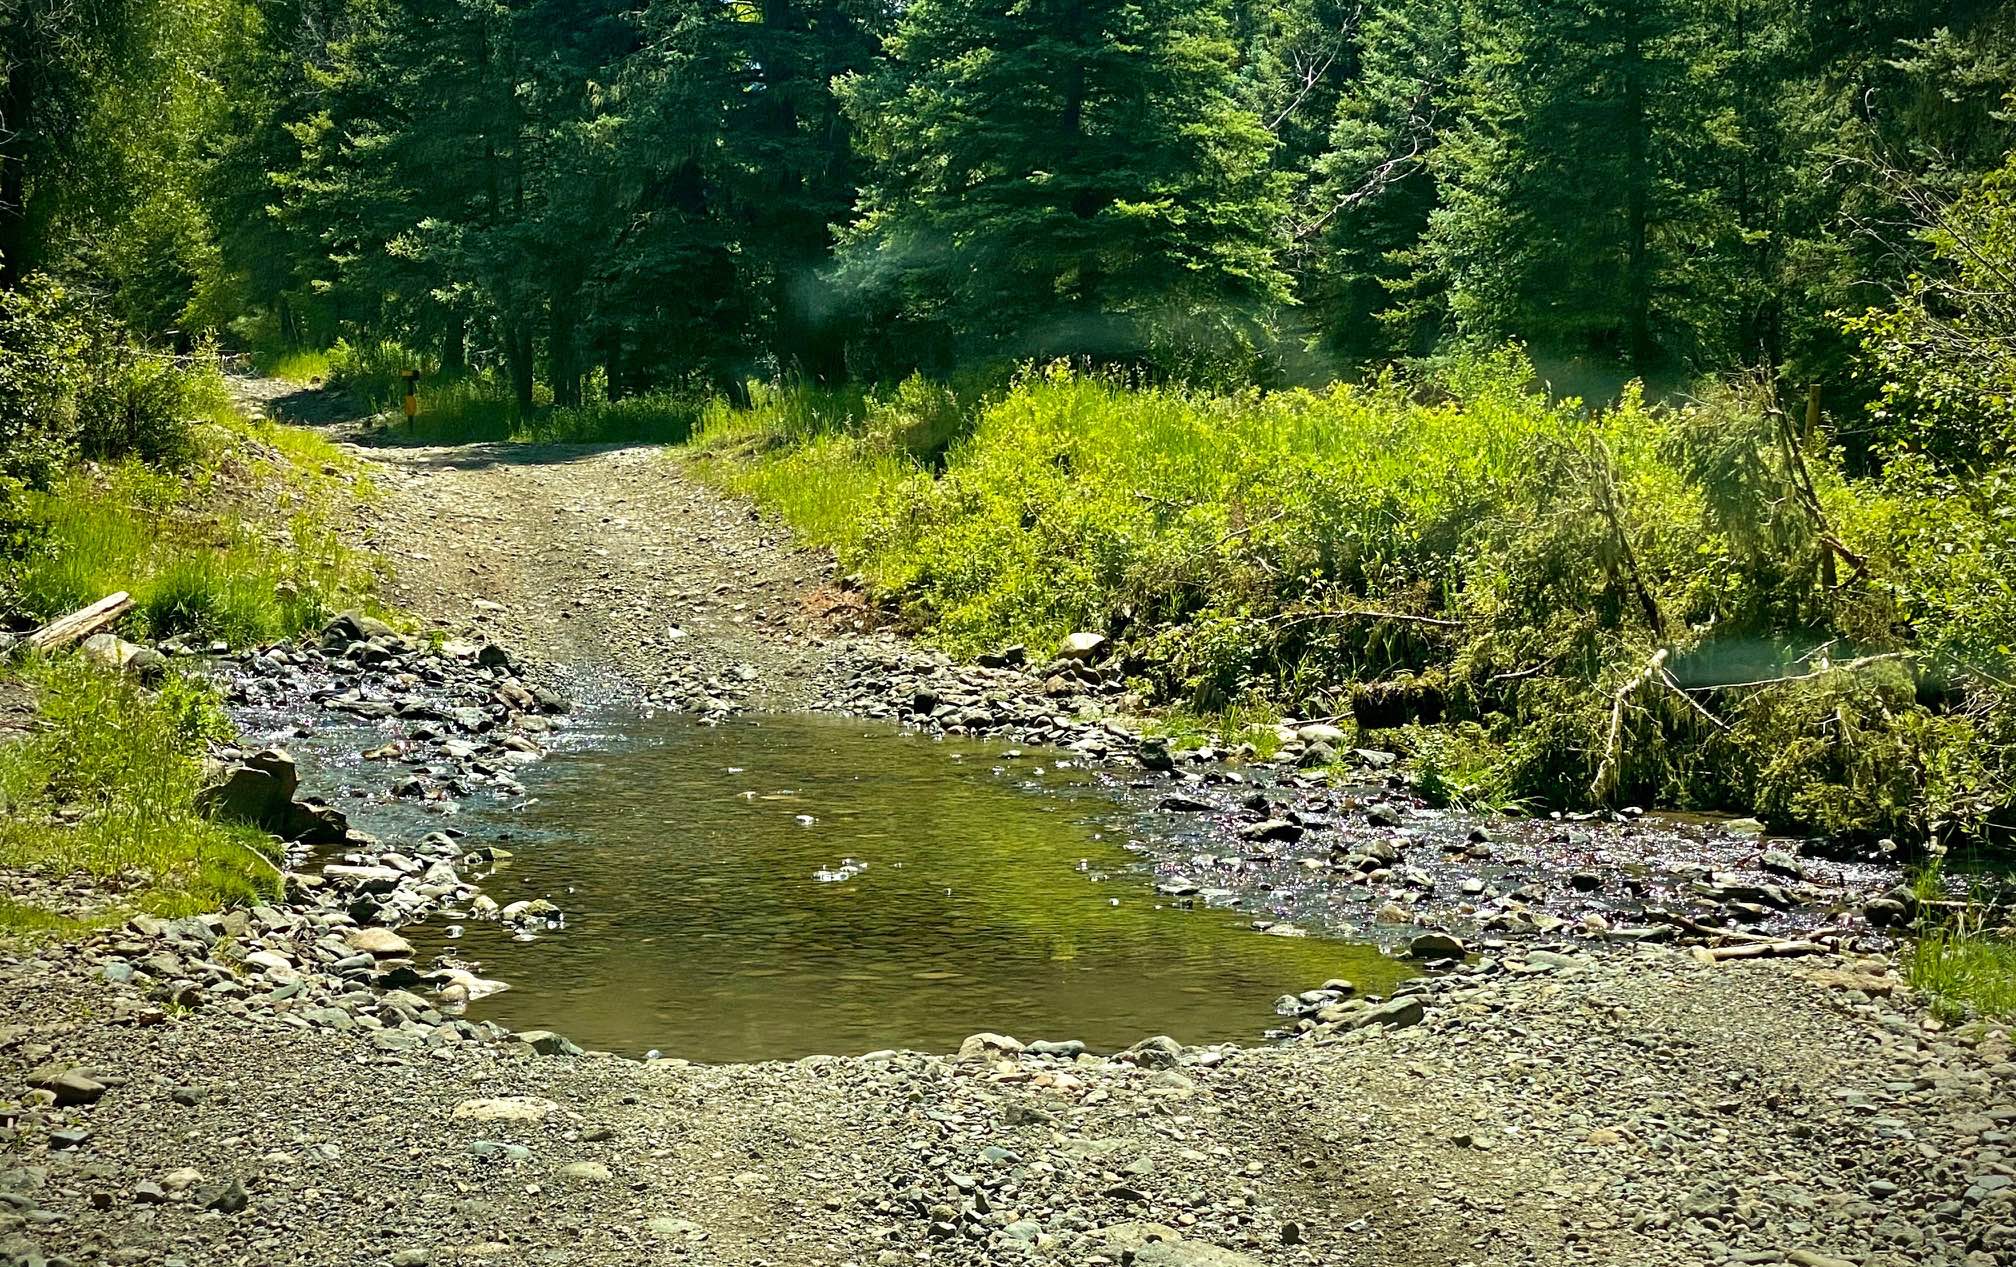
(1063, 177)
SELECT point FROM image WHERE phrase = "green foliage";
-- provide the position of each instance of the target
(108, 784)
(1071, 178)
(200, 554)
(25, 923)
(1958, 957)
(1459, 550)
(296, 365)
(1965, 970)
(1944, 353)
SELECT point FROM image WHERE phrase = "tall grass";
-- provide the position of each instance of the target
(305, 366)
(193, 563)
(107, 786)
(1465, 550)
(825, 459)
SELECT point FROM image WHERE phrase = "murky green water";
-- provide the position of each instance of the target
(779, 887)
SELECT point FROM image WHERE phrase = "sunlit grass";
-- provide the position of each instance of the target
(1957, 959)
(24, 922)
(1964, 967)
(191, 567)
(295, 365)
(107, 786)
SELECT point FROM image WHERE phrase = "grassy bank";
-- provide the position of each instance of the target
(1691, 606)
(238, 540)
(106, 786)
(133, 472)
(1964, 954)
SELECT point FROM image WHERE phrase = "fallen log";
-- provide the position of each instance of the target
(79, 624)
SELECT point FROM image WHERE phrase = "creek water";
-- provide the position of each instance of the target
(776, 887)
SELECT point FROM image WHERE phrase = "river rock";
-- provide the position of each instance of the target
(1083, 647)
(113, 652)
(69, 1086)
(1436, 946)
(577, 1173)
(988, 1046)
(354, 627)
(510, 1108)
(548, 1043)
(379, 943)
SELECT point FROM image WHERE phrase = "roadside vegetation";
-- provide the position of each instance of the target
(1964, 953)
(107, 786)
(127, 469)
(1690, 605)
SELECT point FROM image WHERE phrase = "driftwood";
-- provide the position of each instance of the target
(1763, 950)
(79, 624)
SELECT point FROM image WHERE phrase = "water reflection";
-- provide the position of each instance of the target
(777, 887)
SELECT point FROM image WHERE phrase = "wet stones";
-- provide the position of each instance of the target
(1272, 829)
(547, 1043)
(1436, 946)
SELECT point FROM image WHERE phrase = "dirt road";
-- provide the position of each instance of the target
(1573, 1101)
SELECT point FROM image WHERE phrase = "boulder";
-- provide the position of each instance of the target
(379, 943)
(247, 794)
(1436, 946)
(988, 1046)
(548, 1043)
(113, 652)
(352, 627)
(1084, 647)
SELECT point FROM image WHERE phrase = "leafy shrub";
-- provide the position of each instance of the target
(72, 381)
(1691, 606)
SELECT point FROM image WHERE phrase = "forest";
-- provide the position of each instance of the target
(1614, 398)
(1251, 633)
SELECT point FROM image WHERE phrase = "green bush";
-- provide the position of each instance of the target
(1691, 606)
(72, 381)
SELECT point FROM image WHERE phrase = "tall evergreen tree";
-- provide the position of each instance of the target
(1064, 177)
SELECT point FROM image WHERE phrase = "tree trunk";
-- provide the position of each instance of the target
(455, 345)
(563, 354)
(612, 365)
(518, 352)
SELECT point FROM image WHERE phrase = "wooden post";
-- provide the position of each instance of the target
(1813, 411)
